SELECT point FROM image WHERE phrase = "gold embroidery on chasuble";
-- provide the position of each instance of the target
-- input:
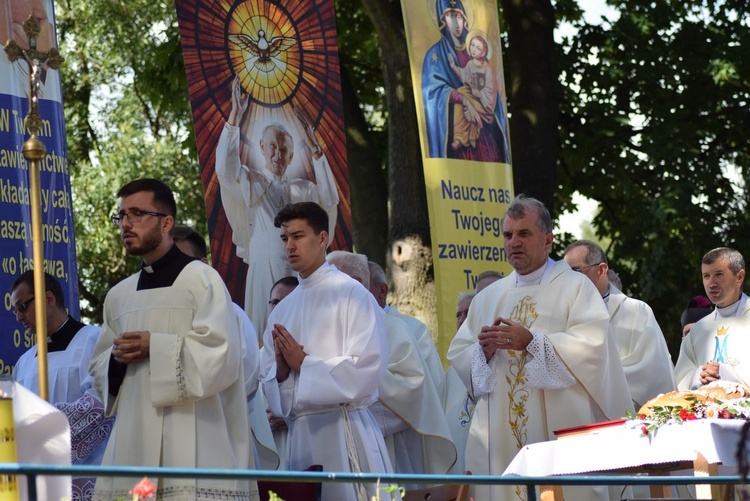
(525, 314)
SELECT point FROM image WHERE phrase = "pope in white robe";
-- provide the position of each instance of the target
(569, 375)
(721, 339)
(186, 405)
(643, 351)
(326, 403)
(252, 195)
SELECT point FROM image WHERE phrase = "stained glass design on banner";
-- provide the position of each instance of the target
(286, 56)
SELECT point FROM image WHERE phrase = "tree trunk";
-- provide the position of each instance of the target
(533, 96)
(367, 179)
(410, 258)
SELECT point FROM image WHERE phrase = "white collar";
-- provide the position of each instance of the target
(537, 277)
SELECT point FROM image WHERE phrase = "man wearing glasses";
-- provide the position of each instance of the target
(168, 360)
(69, 347)
(632, 325)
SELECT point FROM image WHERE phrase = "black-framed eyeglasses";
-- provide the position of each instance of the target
(23, 306)
(134, 216)
(580, 269)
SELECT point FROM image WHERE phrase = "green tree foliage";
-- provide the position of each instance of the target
(653, 112)
(654, 120)
(127, 116)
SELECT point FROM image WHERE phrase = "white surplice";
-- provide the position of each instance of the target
(252, 196)
(713, 338)
(427, 347)
(569, 375)
(643, 351)
(186, 405)
(408, 410)
(340, 325)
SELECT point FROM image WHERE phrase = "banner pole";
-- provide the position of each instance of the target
(34, 151)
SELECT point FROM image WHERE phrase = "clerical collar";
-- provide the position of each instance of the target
(606, 294)
(61, 338)
(164, 271)
(733, 310)
(536, 277)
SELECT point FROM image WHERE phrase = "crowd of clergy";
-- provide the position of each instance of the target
(176, 375)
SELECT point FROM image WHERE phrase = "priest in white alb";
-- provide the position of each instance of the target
(168, 362)
(640, 343)
(328, 359)
(718, 345)
(535, 354)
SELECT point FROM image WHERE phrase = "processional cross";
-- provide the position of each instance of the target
(34, 151)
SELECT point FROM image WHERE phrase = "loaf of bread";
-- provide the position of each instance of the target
(717, 390)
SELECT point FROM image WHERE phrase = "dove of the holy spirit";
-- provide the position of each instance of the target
(263, 50)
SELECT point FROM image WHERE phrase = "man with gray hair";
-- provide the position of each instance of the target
(632, 325)
(379, 289)
(535, 353)
(717, 347)
(408, 409)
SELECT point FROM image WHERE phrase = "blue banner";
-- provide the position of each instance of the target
(15, 210)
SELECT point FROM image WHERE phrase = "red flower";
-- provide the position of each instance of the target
(725, 414)
(144, 489)
(642, 417)
(644, 430)
(687, 415)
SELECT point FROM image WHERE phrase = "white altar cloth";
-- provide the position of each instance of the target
(622, 447)
(42, 437)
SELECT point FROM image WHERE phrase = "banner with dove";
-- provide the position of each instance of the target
(264, 85)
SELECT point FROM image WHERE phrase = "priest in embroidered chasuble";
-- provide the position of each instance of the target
(534, 352)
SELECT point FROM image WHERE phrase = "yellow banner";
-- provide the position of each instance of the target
(457, 71)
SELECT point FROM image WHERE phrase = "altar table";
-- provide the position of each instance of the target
(701, 444)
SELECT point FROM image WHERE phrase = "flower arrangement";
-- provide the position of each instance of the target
(693, 407)
(143, 490)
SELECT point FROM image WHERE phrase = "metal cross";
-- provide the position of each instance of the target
(35, 59)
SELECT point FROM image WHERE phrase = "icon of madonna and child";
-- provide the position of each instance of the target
(465, 118)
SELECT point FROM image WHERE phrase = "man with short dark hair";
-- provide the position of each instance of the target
(643, 350)
(535, 354)
(69, 347)
(168, 360)
(717, 347)
(330, 358)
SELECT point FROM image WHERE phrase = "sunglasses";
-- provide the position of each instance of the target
(23, 306)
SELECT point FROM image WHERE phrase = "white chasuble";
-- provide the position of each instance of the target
(408, 410)
(716, 339)
(642, 347)
(571, 321)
